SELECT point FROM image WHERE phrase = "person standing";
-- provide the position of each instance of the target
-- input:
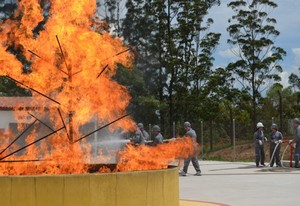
(190, 133)
(259, 141)
(296, 140)
(138, 138)
(143, 131)
(275, 141)
(158, 138)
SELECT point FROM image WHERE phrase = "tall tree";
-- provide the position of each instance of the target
(175, 51)
(252, 33)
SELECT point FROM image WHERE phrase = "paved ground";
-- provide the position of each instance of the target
(238, 184)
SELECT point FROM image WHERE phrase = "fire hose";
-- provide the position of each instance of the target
(277, 144)
(291, 158)
(281, 161)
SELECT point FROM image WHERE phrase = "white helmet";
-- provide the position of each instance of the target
(259, 125)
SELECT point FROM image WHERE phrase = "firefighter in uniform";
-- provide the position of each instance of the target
(190, 133)
(296, 141)
(259, 141)
(275, 141)
(158, 138)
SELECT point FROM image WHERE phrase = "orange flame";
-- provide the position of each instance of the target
(158, 157)
(65, 59)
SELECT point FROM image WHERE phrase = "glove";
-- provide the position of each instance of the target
(290, 141)
(266, 139)
(280, 141)
(260, 142)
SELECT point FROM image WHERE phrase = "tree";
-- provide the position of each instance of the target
(174, 52)
(294, 80)
(251, 33)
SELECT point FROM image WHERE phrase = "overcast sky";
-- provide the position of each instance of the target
(287, 15)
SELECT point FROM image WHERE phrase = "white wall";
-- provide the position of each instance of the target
(7, 117)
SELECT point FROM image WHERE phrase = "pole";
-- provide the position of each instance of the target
(95, 135)
(150, 132)
(233, 132)
(202, 142)
(174, 131)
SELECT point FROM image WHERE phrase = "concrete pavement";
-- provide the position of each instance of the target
(240, 183)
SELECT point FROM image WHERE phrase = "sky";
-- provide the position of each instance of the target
(287, 15)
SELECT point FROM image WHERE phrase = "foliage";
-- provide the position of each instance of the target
(252, 32)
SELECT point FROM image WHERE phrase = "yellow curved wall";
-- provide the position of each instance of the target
(141, 188)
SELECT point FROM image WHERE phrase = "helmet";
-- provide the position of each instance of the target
(259, 125)
(274, 126)
(140, 125)
(296, 120)
(156, 128)
(187, 124)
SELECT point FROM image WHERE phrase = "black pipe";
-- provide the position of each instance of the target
(104, 68)
(18, 136)
(41, 122)
(101, 128)
(35, 54)
(33, 89)
(62, 119)
(18, 150)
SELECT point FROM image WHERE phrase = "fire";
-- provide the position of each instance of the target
(158, 157)
(71, 66)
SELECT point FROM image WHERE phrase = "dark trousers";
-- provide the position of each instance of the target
(276, 156)
(194, 162)
(259, 155)
(297, 154)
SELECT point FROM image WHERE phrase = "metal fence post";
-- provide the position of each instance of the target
(233, 132)
(174, 131)
(202, 143)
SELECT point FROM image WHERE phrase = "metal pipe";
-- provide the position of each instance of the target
(17, 161)
(62, 53)
(18, 150)
(35, 54)
(202, 141)
(102, 127)
(233, 132)
(70, 80)
(104, 68)
(41, 121)
(19, 136)
(62, 119)
(32, 89)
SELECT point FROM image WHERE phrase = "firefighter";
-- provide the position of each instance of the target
(143, 131)
(138, 138)
(275, 141)
(158, 138)
(259, 141)
(296, 140)
(190, 133)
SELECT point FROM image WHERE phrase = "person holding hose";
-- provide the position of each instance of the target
(275, 140)
(158, 138)
(190, 133)
(259, 141)
(296, 140)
